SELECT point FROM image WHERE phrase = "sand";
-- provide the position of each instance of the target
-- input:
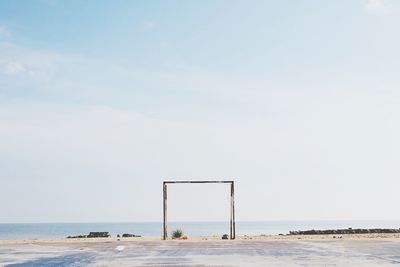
(326, 250)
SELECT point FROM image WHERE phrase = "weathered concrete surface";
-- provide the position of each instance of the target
(338, 252)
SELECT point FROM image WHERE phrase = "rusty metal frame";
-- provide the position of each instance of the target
(232, 208)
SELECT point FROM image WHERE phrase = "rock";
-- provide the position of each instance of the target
(91, 235)
(130, 235)
(98, 234)
(345, 231)
(77, 236)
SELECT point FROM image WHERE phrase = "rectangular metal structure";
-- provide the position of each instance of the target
(232, 204)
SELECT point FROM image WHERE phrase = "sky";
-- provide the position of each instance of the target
(298, 102)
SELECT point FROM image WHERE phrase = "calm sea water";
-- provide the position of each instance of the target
(41, 230)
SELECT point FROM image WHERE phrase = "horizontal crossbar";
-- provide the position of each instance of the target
(198, 182)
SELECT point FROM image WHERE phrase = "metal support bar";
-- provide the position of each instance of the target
(231, 214)
(198, 182)
(165, 211)
(233, 232)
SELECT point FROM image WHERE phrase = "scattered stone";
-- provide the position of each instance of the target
(345, 231)
(77, 236)
(130, 235)
(91, 234)
(98, 234)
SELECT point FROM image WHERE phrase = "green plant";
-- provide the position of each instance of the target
(178, 233)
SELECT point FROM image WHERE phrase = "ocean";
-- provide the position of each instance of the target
(49, 230)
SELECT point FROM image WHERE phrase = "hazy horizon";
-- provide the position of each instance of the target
(203, 221)
(297, 101)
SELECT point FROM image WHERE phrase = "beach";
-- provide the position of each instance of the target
(256, 133)
(265, 250)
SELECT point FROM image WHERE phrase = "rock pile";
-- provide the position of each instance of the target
(130, 235)
(99, 234)
(92, 235)
(77, 236)
(345, 231)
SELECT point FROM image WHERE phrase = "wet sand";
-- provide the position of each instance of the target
(350, 250)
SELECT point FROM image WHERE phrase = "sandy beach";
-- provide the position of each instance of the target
(346, 250)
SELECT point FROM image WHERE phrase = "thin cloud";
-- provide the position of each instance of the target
(18, 62)
(376, 7)
(375, 4)
(16, 67)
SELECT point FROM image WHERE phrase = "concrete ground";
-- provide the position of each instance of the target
(336, 252)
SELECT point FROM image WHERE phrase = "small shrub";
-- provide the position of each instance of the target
(178, 233)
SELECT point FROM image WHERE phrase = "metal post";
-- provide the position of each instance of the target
(233, 210)
(165, 211)
(231, 217)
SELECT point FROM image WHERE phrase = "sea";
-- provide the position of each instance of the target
(59, 230)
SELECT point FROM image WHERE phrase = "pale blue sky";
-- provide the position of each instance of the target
(298, 101)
